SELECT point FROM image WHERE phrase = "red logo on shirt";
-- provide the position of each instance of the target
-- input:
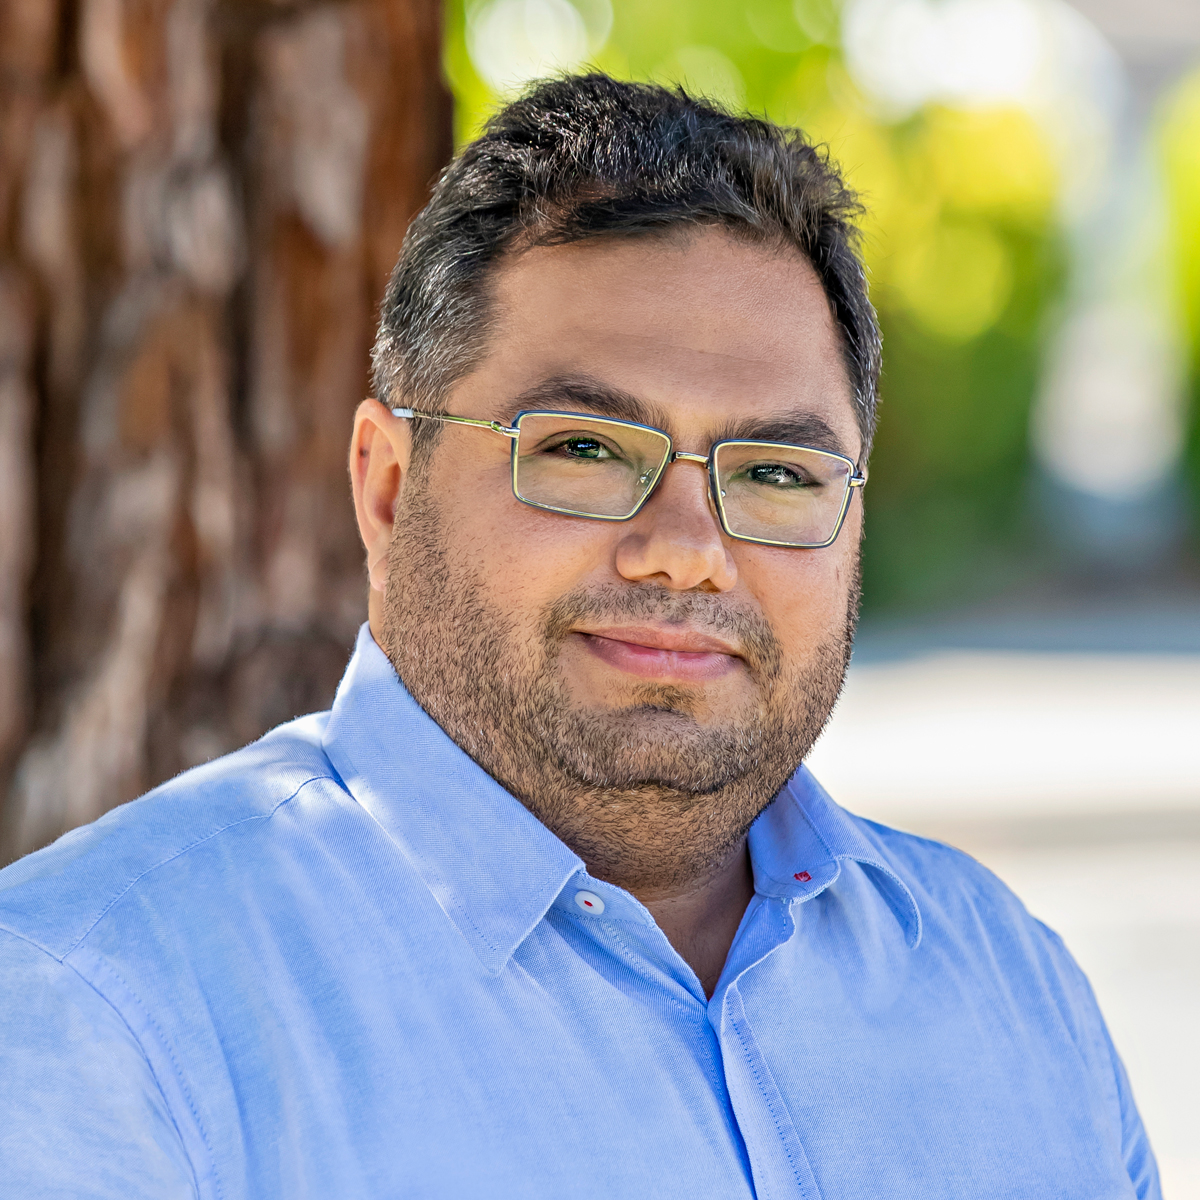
(803, 876)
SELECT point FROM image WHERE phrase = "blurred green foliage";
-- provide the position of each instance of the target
(961, 239)
(1179, 148)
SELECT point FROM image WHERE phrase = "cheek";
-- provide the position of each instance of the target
(524, 558)
(804, 593)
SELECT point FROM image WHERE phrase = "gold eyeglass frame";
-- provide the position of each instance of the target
(856, 479)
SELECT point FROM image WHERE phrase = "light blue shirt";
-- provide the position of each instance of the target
(345, 963)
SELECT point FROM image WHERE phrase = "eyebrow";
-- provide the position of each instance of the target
(585, 393)
(797, 428)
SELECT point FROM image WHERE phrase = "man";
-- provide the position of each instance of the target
(547, 906)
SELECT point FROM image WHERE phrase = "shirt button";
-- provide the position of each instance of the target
(590, 903)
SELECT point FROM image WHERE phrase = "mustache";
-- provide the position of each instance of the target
(703, 612)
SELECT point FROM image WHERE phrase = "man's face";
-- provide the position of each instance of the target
(651, 679)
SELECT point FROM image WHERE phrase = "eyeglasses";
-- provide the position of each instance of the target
(772, 493)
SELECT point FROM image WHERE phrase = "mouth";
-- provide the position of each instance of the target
(660, 653)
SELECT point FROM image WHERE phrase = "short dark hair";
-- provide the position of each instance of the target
(584, 156)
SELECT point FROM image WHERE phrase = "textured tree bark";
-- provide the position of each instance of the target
(200, 201)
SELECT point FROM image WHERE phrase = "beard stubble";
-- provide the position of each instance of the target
(647, 795)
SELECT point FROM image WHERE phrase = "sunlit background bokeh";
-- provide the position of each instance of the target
(1031, 236)
(1027, 681)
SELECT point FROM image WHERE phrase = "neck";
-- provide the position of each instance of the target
(681, 856)
(701, 918)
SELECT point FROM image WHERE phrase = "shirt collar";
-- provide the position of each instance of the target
(798, 846)
(494, 868)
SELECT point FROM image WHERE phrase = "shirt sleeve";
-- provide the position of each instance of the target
(1135, 1145)
(81, 1113)
(1139, 1159)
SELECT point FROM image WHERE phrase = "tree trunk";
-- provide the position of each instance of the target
(200, 202)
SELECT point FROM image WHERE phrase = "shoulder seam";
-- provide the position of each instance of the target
(153, 1075)
(184, 850)
(66, 966)
(24, 937)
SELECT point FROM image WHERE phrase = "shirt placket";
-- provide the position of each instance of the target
(778, 1162)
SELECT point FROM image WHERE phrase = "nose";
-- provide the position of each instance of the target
(675, 541)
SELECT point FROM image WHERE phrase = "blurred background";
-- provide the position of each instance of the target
(200, 201)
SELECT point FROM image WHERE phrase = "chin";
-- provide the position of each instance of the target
(651, 747)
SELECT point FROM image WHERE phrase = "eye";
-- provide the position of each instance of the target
(779, 475)
(581, 446)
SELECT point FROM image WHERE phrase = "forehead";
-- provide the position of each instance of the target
(705, 329)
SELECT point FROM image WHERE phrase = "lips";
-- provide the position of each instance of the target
(662, 654)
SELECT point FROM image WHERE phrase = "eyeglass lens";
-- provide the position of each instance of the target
(780, 493)
(594, 467)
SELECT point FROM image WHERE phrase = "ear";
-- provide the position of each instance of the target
(380, 450)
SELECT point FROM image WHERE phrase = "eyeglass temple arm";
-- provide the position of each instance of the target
(494, 426)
